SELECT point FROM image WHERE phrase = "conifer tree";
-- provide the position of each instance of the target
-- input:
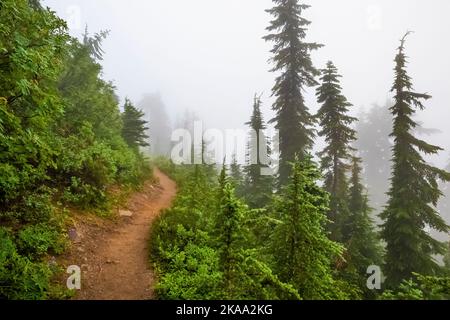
(236, 177)
(134, 127)
(414, 192)
(244, 275)
(444, 203)
(229, 236)
(291, 57)
(35, 4)
(447, 258)
(94, 43)
(360, 237)
(302, 251)
(198, 199)
(159, 123)
(258, 184)
(335, 123)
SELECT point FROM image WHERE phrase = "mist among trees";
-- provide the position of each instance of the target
(357, 208)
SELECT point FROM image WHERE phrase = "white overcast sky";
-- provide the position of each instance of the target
(208, 55)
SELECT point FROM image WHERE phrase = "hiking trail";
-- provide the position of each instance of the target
(114, 257)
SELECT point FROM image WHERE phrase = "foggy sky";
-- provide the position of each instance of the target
(209, 56)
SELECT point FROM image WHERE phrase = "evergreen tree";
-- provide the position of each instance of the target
(94, 44)
(258, 184)
(414, 192)
(302, 252)
(159, 123)
(236, 177)
(35, 4)
(134, 127)
(229, 236)
(361, 240)
(292, 59)
(335, 123)
(447, 258)
(88, 98)
(198, 199)
(444, 204)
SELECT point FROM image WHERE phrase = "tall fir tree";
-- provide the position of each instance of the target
(259, 183)
(414, 192)
(134, 127)
(291, 57)
(302, 251)
(360, 238)
(335, 123)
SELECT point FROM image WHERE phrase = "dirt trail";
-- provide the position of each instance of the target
(114, 259)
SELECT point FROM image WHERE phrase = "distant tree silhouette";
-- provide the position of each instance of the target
(159, 121)
(258, 188)
(374, 146)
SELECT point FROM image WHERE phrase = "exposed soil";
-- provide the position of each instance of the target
(113, 255)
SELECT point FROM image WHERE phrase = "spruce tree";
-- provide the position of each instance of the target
(444, 204)
(447, 258)
(361, 239)
(236, 177)
(244, 274)
(302, 251)
(94, 43)
(335, 123)
(291, 57)
(198, 199)
(229, 236)
(258, 184)
(35, 4)
(414, 191)
(134, 127)
(159, 123)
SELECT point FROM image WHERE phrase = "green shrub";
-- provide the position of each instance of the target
(60, 141)
(193, 274)
(20, 278)
(37, 240)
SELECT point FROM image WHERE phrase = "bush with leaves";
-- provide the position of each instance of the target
(201, 252)
(60, 136)
(20, 277)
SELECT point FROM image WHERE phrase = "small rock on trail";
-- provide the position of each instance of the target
(125, 213)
